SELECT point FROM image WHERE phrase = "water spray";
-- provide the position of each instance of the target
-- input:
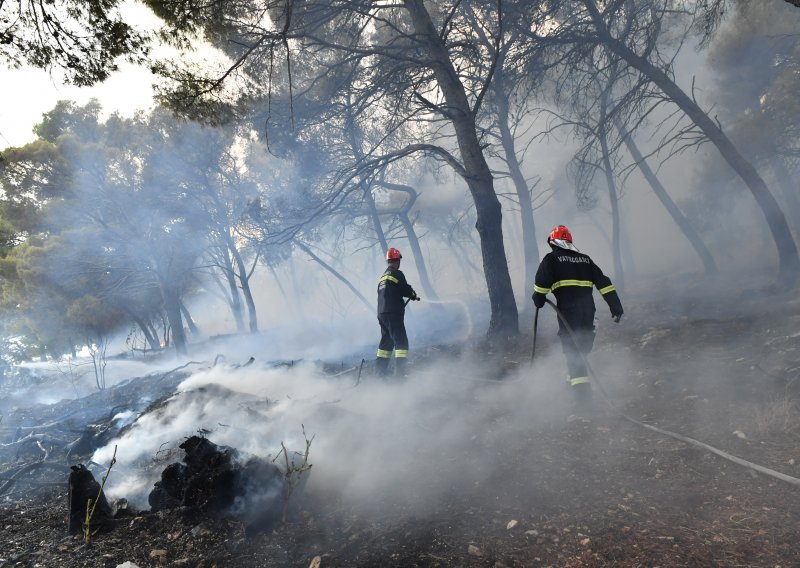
(463, 305)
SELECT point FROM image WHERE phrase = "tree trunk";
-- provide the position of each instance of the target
(193, 329)
(683, 223)
(148, 335)
(172, 307)
(419, 260)
(530, 250)
(374, 217)
(295, 285)
(504, 316)
(355, 144)
(234, 301)
(627, 253)
(789, 191)
(154, 333)
(413, 240)
(244, 281)
(788, 259)
(613, 196)
(151, 340)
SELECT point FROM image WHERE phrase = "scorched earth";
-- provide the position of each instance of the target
(488, 465)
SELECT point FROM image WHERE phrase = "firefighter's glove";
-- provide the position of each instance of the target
(616, 317)
(414, 296)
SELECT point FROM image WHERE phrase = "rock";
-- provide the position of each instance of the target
(511, 524)
(127, 564)
(473, 550)
(200, 530)
(316, 562)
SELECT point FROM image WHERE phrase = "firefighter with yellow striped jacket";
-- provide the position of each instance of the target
(570, 275)
(392, 288)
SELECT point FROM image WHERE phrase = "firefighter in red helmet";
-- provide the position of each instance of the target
(570, 275)
(392, 288)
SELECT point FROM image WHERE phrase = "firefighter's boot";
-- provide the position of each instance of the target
(401, 367)
(381, 366)
(581, 396)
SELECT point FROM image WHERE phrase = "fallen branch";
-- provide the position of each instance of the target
(38, 438)
(30, 467)
(50, 424)
(168, 373)
(13, 560)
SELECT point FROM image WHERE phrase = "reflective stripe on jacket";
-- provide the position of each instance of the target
(570, 276)
(392, 288)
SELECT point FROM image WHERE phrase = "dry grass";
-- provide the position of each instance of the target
(781, 415)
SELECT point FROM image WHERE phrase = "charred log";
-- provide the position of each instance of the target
(83, 488)
(218, 482)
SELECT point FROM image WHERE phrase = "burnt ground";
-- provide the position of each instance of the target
(593, 489)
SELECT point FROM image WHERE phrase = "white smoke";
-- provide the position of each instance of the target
(369, 439)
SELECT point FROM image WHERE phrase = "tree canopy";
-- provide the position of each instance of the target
(324, 128)
(83, 38)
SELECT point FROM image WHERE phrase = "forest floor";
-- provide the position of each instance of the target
(578, 489)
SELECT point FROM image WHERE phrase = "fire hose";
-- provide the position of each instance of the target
(535, 327)
(686, 439)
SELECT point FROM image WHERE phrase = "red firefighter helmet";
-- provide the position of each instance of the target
(560, 233)
(393, 254)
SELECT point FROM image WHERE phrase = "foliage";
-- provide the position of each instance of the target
(371, 83)
(84, 38)
(106, 223)
(757, 62)
(109, 236)
(129, 215)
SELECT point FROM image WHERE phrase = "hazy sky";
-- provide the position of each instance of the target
(28, 93)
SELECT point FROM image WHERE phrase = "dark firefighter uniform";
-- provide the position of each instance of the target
(570, 276)
(392, 288)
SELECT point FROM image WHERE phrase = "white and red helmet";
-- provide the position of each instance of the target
(393, 254)
(560, 237)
